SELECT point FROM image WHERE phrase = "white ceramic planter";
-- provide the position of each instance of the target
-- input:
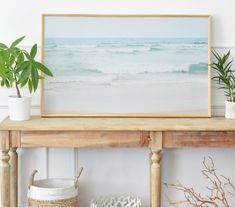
(19, 108)
(229, 110)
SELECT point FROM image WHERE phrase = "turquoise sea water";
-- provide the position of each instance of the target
(123, 60)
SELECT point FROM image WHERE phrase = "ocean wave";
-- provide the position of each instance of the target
(78, 46)
(177, 46)
(198, 68)
(64, 46)
(128, 49)
(122, 79)
(123, 48)
(101, 72)
(81, 79)
(84, 49)
(200, 43)
(79, 71)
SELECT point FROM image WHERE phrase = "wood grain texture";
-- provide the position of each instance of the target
(4, 140)
(120, 124)
(4, 169)
(155, 140)
(84, 139)
(5, 179)
(199, 139)
(15, 137)
(13, 177)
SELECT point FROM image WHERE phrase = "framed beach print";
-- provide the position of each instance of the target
(126, 66)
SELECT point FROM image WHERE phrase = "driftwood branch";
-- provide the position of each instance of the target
(219, 189)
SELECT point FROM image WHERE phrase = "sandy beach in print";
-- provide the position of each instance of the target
(126, 75)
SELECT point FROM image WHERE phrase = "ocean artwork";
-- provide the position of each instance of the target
(126, 66)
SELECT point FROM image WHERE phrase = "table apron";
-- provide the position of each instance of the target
(178, 139)
(84, 139)
(171, 139)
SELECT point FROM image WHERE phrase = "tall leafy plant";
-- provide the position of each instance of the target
(19, 68)
(225, 75)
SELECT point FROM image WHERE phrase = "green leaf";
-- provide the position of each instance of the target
(16, 42)
(11, 61)
(25, 74)
(5, 54)
(2, 46)
(225, 57)
(33, 51)
(14, 52)
(216, 54)
(27, 55)
(2, 83)
(2, 64)
(34, 77)
(43, 68)
(20, 58)
(24, 83)
(23, 66)
(7, 83)
(30, 86)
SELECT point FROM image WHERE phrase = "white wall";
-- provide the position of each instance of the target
(121, 170)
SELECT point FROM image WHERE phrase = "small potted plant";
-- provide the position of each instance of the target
(18, 68)
(226, 78)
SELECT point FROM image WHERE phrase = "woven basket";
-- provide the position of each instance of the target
(53, 192)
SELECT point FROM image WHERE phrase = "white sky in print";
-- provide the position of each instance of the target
(125, 27)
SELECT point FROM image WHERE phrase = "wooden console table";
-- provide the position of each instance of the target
(155, 133)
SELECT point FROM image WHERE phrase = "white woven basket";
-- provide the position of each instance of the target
(116, 201)
(53, 192)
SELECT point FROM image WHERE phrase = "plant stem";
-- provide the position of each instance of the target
(18, 91)
(17, 88)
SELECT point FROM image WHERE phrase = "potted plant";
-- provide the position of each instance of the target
(18, 68)
(226, 78)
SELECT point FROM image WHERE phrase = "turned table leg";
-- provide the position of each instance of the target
(13, 177)
(155, 168)
(4, 169)
(155, 178)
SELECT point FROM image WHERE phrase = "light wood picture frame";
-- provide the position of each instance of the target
(126, 65)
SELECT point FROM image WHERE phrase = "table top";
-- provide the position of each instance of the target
(36, 123)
